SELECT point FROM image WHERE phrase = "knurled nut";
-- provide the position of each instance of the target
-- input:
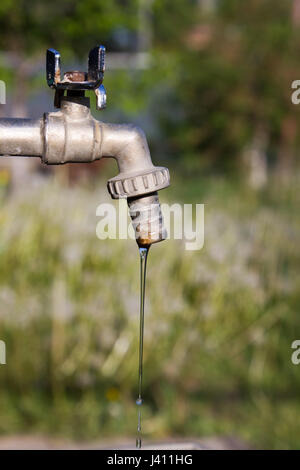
(124, 186)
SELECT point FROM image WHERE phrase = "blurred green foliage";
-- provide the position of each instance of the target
(70, 25)
(232, 80)
(219, 322)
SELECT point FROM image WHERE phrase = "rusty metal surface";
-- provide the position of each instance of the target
(75, 80)
(75, 76)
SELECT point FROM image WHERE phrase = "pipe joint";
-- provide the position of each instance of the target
(71, 134)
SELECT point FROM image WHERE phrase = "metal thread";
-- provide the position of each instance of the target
(147, 219)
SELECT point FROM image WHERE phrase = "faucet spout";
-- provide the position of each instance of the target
(138, 180)
(128, 145)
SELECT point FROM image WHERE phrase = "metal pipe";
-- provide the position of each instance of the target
(128, 145)
(73, 135)
(21, 137)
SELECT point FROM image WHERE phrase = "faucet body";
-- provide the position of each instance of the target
(71, 134)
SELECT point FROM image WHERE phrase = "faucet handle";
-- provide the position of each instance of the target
(96, 64)
(77, 81)
(52, 67)
(100, 93)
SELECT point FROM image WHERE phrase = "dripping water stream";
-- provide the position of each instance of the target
(143, 264)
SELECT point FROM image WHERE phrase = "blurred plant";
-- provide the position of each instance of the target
(219, 322)
(72, 26)
(232, 83)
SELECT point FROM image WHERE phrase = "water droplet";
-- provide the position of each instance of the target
(138, 443)
(139, 402)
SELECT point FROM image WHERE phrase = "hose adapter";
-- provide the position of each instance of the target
(143, 203)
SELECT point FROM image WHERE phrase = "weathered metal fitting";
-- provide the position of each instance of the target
(147, 219)
(144, 182)
(71, 134)
(76, 80)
